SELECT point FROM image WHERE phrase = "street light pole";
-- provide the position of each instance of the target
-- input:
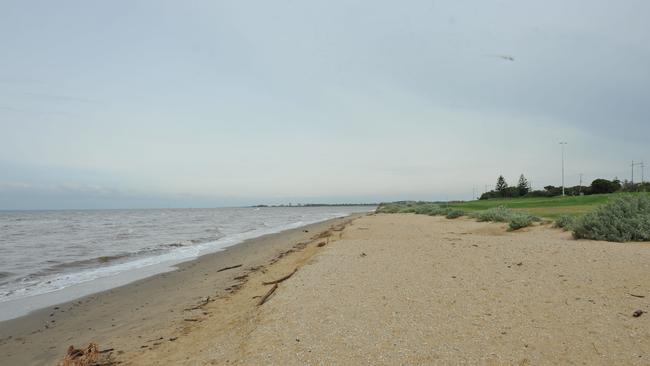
(642, 173)
(563, 144)
(580, 185)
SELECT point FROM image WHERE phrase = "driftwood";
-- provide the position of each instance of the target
(324, 234)
(81, 357)
(265, 297)
(231, 267)
(281, 279)
(202, 304)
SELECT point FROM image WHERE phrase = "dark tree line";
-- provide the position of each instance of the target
(598, 186)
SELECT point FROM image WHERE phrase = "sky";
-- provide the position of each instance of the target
(145, 104)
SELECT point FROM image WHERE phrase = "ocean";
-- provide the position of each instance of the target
(44, 252)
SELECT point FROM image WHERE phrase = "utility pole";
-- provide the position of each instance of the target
(563, 144)
(473, 193)
(632, 171)
(642, 173)
(580, 186)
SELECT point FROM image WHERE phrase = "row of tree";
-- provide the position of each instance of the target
(598, 186)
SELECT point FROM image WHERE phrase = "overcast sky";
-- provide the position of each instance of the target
(171, 104)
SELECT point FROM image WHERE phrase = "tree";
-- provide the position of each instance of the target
(523, 187)
(604, 186)
(501, 185)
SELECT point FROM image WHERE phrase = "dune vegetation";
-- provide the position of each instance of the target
(615, 217)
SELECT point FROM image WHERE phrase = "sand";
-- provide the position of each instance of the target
(386, 289)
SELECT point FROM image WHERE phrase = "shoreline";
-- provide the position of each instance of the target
(15, 308)
(103, 316)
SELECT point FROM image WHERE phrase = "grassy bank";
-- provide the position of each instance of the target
(546, 207)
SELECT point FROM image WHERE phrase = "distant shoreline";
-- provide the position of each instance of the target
(316, 205)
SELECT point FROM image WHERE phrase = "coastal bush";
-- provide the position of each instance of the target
(407, 209)
(518, 221)
(427, 209)
(565, 222)
(495, 214)
(453, 214)
(388, 208)
(440, 211)
(626, 218)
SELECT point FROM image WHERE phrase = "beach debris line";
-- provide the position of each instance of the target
(268, 294)
(231, 267)
(281, 279)
(201, 304)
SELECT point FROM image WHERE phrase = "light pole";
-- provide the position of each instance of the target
(580, 185)
(642, 173)
(562, 143)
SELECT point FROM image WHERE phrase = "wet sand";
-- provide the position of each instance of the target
(385, 289)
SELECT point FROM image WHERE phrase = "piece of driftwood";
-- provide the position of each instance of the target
(281, 279)
(268, 294)
(324, 234)
(202, 304)
(231, 267)
(81, 357)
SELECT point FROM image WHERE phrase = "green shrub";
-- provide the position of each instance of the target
(495, 214)
(518, 221)
(388, 208)
(440, 211)
(565, 222)
(420, 208)
(407, 209)
(453, 214)
(626, 218)
(427, 209)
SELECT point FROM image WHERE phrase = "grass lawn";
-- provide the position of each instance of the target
(551, 207)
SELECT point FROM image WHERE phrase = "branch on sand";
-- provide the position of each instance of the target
(268, 294)
(231, 267)
(281, 279)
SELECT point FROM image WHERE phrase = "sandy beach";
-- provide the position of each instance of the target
(369, 289)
